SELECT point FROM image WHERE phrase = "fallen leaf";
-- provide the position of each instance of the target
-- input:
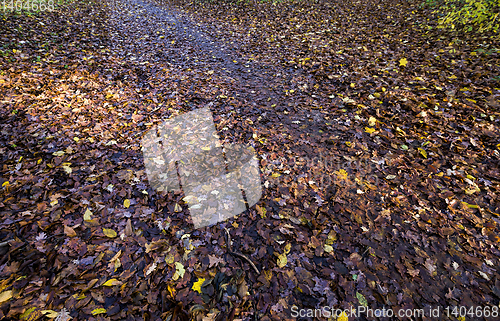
(50, 313)
(197, 285)
(109, 232)
(361, 299)
(98, 311)
(69, 231)
(179, 271)
(112, 282)
(87, 215)
(282, 260)
(214, 260)
(6, 295)
(422, 152)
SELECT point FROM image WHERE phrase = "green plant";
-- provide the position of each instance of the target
(479, 15)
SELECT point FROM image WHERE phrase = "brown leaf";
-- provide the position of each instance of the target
(69, 231)
(128, 228)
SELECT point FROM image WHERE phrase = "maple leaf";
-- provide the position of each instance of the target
(403, 62)
(41, 237)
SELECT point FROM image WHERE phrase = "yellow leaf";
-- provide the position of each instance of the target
(6, 183)
(109, 232)
(98, 311)
(343, 317)
(369, 130)
(169, 259)
(59, 153)
(282, 260)
(67, 169)
(275, 175)
(470, 205)
(288, 247)
(79, 296)
(179, 271)
(205, 148)
(197, 285)
(126, 203)
(86, 216)
(4, 296)
(423, 152)
(112, 282)
(50, 313)
(403, 62)
(372, 121)
(177, 208)
(171, 290)
(328, 248)
(30, 314)
(341, 173)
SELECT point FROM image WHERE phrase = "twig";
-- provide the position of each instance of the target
(240, 255)
(5, 243)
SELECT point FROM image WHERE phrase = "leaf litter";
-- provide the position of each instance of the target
(377, 140)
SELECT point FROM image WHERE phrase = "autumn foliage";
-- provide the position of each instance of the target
(377, 140)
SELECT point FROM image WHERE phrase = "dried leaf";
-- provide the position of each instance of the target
(5, 296)
(109, 232)
(88, 215)
(112, 282)
(98, 311)
(197, 285)
(282, 260)
(361, 299)
(69, 231)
